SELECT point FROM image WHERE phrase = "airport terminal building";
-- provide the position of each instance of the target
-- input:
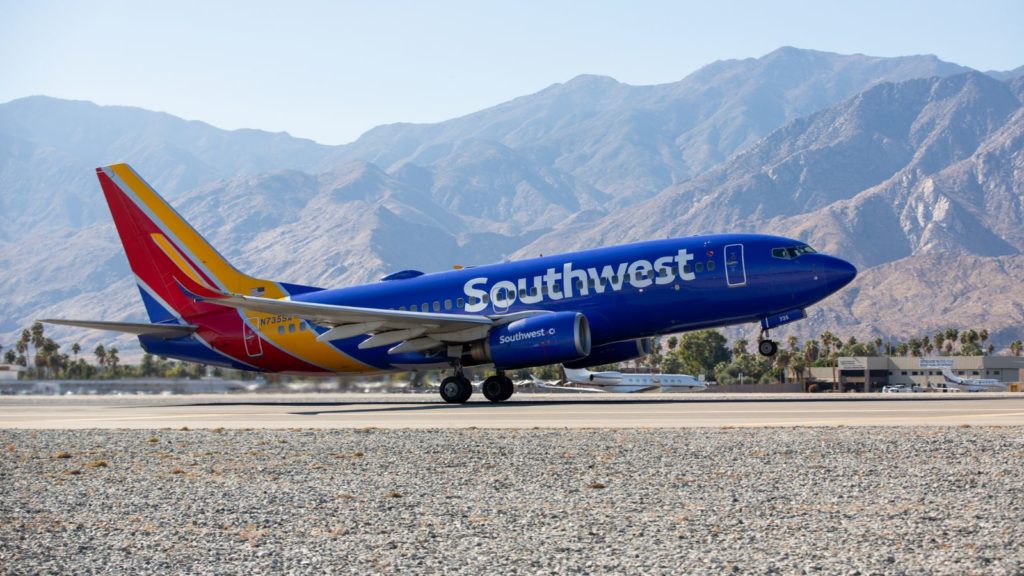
(872, 373)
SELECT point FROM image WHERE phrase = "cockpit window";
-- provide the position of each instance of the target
(791, 252)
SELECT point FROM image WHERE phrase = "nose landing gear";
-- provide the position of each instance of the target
(765, 345)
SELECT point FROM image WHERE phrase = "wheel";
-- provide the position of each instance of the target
(493, 387)
(507, 388)
(456, 389)
(767, 347)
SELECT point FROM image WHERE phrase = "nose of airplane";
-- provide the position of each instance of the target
(837, 272)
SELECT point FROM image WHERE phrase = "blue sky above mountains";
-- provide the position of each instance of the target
(331, 70)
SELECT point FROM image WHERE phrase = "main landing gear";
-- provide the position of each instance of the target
(498, 388)
(765, 345)
(457, 389)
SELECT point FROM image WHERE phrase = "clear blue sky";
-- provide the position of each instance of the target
(330, 70)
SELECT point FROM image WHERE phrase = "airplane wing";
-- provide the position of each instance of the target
(411, 331)
(137, 328)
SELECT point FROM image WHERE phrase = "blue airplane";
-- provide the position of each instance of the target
(581, 309)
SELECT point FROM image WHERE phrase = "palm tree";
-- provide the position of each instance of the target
(75, 349)
(793, 342)
(739, 348)
(878, 344)
(915, 347)
(951, 337)
(826, 343)
(811, 351)
(101, 355)
(1016, 347)
(939, 339)
(112, 359)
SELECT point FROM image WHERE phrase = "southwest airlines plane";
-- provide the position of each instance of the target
(582, 309)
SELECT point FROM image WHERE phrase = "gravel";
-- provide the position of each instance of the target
(701, 501)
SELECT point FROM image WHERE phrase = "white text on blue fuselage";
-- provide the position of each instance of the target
(557, 284)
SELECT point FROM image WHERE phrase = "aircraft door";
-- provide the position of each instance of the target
(253, 344)
(735, 269)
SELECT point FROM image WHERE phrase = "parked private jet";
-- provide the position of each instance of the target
(588, 308)
(972, 384)
(627, 383)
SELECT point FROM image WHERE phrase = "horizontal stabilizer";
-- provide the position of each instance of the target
(138, 328)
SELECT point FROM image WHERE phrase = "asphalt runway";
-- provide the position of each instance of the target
(525, 411)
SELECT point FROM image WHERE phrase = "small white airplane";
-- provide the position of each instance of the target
(630, 383)
(973, 384)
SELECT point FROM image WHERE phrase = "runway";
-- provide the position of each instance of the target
(527, 411)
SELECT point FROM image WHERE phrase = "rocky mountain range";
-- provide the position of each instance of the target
(910, 167)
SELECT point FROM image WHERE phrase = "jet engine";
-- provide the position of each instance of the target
(533, 341)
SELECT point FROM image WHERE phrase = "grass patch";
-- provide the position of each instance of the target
(393, 494)
(97, 464)
(62, 454)
(152, 439)
(596, 485)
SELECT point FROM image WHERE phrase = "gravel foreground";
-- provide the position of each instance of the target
(691, 501)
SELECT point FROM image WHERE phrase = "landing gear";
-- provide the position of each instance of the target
(498, 388)
(456, 389)
(766, 346)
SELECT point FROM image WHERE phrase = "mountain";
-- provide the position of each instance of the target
(632, 141)
(50, 148)
(843, 151)
(928, 167)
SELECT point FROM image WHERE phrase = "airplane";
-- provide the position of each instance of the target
(972, 384)
(590, 307)
(628, 383)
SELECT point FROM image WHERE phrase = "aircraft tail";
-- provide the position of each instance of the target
(161, 246)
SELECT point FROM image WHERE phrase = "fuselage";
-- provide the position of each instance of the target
(626, 292)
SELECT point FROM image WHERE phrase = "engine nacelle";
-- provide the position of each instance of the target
(612, 353)
(533, 341)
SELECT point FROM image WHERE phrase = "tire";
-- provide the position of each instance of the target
(507, 389)
(493, 387)
(767, 347)
(455, 390)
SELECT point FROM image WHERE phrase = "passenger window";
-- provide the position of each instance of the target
(425, 307)
(579, 285)
(291, 328)
(473, 301)
(402, 308)
(486, 299)
(460, 303)
(522, 293)
(302, 327)
(280, 329)
(699, 266)
(711, 265)
(437, 306)
(448, 304)
(687, 269)
(414, 308)
(533, 291)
